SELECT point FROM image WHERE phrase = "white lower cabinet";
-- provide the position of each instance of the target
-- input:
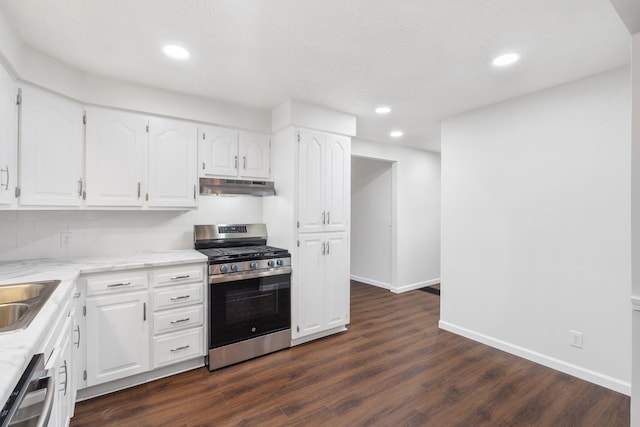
(174, 347)
(140, 320)
(58, 353)
(179, 314)
(63, 366)
(322, 288)
(117, 344)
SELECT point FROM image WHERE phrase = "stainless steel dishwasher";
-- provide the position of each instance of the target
(31, 401)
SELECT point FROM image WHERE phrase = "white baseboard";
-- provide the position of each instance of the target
(414, 286)
(371, 282)
(550, 362)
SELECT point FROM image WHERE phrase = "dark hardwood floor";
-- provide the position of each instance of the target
(393, 367)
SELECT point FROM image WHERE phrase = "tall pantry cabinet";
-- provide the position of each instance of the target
(310, 216)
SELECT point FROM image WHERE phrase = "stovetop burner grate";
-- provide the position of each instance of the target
(242, 252)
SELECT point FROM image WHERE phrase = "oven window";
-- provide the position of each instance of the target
(245, 309)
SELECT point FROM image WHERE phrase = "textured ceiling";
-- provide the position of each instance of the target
(427, 59)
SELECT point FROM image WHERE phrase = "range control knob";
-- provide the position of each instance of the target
(253, 265)
(271, 263)
(224, 269)
(280, 262)
(234, 267)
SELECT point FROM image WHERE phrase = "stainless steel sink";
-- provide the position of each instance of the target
(21, 302)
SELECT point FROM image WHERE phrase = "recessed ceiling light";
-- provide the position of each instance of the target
(396, 134)
(176, 52)
(506, 59)
(383, 110)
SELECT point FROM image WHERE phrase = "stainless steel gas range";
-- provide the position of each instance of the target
(249, 292)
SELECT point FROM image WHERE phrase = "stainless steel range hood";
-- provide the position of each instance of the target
(231, 187)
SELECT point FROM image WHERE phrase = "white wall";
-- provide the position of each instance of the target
(536, 227)
(635, 222)
(36, 234)
(371, 221)
(416, 198)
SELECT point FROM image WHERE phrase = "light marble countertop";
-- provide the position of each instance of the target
(16, 348)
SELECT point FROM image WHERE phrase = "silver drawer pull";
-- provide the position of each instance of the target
(113, 285)
(180, 321)
(181, 297)
(77, 295)
(186, 276)
(184, 347)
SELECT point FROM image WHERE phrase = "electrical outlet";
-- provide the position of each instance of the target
(575, 339)
(65, 238)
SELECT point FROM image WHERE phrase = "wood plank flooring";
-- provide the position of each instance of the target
(393, 367)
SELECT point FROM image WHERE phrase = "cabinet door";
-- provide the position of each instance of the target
(78, 342)
(338, 183)
(118, 344)
(51, 145)
(310, 287)
(254, 155)
(217, 152)
(311, 183)
(8, 139)
(337, 280)
(172, 163)
(64, 378)
(116, 144)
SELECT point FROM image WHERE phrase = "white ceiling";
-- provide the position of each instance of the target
(427, 59)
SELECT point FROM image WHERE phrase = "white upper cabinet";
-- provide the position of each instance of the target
(116, 158)
(8, 139)
(254, 155)
(324, 182)
(229, 153)
(172, 163)
(51, 150)
(217, 151)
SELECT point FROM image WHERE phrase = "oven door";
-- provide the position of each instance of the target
(248, 308)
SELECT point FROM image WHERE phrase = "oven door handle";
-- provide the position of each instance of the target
(231, 277)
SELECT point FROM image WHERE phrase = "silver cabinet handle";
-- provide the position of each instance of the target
(328, 217)
(115, 285)
(80, 186)
(235, 162)
(181, 297)
(43, 421)
(328, 243)
(66, 378)
(175, 322)
(144, 311)
(244, 162)
(78, 343)
(324, 251)
(194, 191)
(185, 276)
(184, 347)
(3, 170)
(203, 165)
(77, 295)
(139, 185)
(323, 217)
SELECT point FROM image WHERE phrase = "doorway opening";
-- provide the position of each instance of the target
(373, 221)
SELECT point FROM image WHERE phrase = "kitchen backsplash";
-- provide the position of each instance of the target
(64, 234)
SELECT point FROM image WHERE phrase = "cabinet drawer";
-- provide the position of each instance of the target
(177, 296)
(116, 282)
(178, 274)
(173, 348)
(175, 320)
